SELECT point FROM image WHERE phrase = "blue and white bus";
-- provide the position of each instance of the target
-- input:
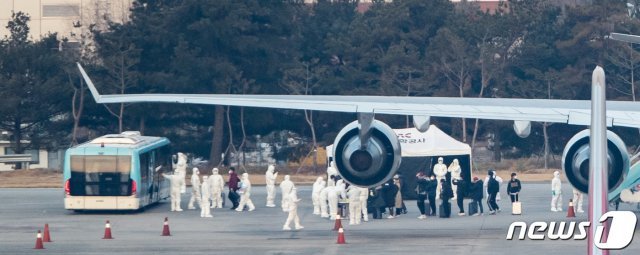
(116, 172)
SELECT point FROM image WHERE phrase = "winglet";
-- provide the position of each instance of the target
(92, 88)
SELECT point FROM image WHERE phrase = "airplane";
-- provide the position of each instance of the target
(367, 151)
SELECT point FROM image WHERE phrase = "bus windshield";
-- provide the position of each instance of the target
(100, 175)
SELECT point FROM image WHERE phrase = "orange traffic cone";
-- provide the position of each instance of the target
(39, 241)
(107, 231)
(571, 213)
(341, 236)
(338, 224)
(165, 229)
(46, 237)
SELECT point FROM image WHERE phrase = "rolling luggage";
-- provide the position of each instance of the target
(516, 208)
(473, 208)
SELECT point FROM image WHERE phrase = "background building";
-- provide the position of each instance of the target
(69, 18)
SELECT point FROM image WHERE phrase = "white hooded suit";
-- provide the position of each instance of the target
(270, 179)
(195, 189)
(355, 208)
(245, 194)
(556, 193)
(315, 194)
(174, 179)
(293, 211)
(181, 170)
(285, 188)
(456, 173)
(217, 185)
(439, 170)
(205, 210)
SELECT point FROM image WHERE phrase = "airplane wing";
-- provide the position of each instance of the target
(576, 112)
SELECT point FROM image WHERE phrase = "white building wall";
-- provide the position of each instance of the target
(69, 18)
(43, 158)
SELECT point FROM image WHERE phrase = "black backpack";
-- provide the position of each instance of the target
(493, 186)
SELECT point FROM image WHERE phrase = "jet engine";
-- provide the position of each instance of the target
(575, 160)
(370, 162)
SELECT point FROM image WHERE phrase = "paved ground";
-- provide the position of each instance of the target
(23, 211)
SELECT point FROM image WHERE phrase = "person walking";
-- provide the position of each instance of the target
(445, 195)
(477, 194)
(493, 188)
(389, 191)
(399, 203)
(233, 188)
(513, 188)
(432, 186)
(421, 190)
(556, 193)
(461, 192)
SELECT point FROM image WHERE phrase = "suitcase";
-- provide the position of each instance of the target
(516, 208)
(442, 212)
(473, 208)
(427, 208)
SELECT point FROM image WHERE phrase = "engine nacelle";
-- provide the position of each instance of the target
(372, 165)
(575, 160)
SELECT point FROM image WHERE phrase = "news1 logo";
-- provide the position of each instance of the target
(622, 227)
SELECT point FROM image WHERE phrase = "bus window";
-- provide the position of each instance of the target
(104, 175)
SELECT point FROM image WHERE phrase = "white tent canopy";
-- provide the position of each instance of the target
(432, 143)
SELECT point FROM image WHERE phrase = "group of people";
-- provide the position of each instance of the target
(330, 196)
(289, 201)
(333, 196)
(207, 193)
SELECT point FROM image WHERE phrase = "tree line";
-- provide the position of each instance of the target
(525, 49)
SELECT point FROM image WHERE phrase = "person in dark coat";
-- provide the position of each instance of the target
(389, 191)
(445, 194)
(477, 193)
(432, 186)
(461, 191)
(233, 188)
(493, 188)
(513, 188)
(376, 201)
(421, 190)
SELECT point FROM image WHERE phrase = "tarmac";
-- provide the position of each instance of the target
(24, 211)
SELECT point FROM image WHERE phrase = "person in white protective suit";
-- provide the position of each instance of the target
(245, 194)
(332, 171)
(364, 196)
(439, 170)
(205, 210)
(556, 193)
(174, 180)
(270, 180)
(285, 188)
(217, 185)
(486, 183)
(293, 211)
(353, 193)
(333, 197)
(195, 189)
(577, 200)
(181, 169)
(324, 197)
(315, 194)
(456, 172)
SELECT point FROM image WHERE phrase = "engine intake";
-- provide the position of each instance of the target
(372, 165)
(575, 160)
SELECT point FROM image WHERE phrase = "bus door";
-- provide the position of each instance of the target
(153, 192)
